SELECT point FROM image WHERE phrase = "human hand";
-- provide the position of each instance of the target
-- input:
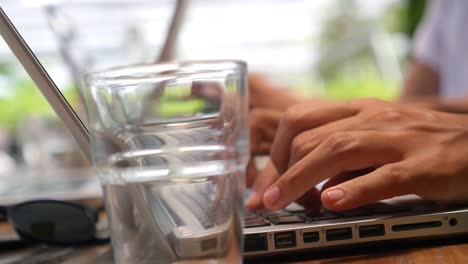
(259, 182)
(210, 91)
(407, 150)
(262, 127)
(264, 94)
(310, 200)
(263, 124)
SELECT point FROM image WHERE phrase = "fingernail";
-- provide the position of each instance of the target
(272, 196)
(335, 195)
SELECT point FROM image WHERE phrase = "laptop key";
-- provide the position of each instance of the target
(281, 220)
(256, 223)
(248, 217)
(294, 207)
(383, 208)
(354, 213)
(261, 212)
(274, 213)
(325, 217)
(313, 216)
(253, 219)
(375, 205)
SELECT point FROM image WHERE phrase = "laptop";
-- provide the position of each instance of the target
(267, 233)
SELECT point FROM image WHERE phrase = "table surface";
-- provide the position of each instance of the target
(445, 252)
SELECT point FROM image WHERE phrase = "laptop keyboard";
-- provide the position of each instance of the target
(296, 214)
(213, 214)
(209, 214)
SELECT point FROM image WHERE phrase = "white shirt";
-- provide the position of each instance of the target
(442, 43)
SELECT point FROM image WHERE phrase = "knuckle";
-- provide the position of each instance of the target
(374, 101)
(252, 124)
(385, 114)
(299, 146)
(256, 119)
(390, 113)
(369, 101)
(255, 114)
(340, 142)
(396, 175)
(292, 117)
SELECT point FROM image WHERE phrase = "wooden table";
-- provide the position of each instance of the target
(445, 252)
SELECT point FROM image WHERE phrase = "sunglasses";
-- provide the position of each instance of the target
(53, 222)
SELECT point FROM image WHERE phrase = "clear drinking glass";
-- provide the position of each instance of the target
(170, 143)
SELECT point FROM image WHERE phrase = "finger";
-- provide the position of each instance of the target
(264, 148)
(267, 177)
(256, 84)
(218, 182)
(300, 118)
(251, 173)
(261, 139)
(263, 125)
(210, 90)
(267, 116)
(340, 178)
(340, 152)
(385, 182)
(345, 176)
(307, 141)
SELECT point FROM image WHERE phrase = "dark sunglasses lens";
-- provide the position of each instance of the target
(53, 222)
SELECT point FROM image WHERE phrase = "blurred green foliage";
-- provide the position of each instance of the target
(346, 86)
(5, 68)
(405, 16)
(177, 108)
(368, 85)
(27, 100)
(177, 101)
(357, 75)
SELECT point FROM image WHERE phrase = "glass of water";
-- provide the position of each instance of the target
(170, 144)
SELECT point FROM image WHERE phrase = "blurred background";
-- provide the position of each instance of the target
(331, 48)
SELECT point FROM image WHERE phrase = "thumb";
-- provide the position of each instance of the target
(385, 182)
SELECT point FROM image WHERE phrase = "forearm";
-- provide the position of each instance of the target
(422, 88)
(452, 105)
(422, 81)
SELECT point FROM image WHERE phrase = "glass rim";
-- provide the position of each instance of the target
(174, 67)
